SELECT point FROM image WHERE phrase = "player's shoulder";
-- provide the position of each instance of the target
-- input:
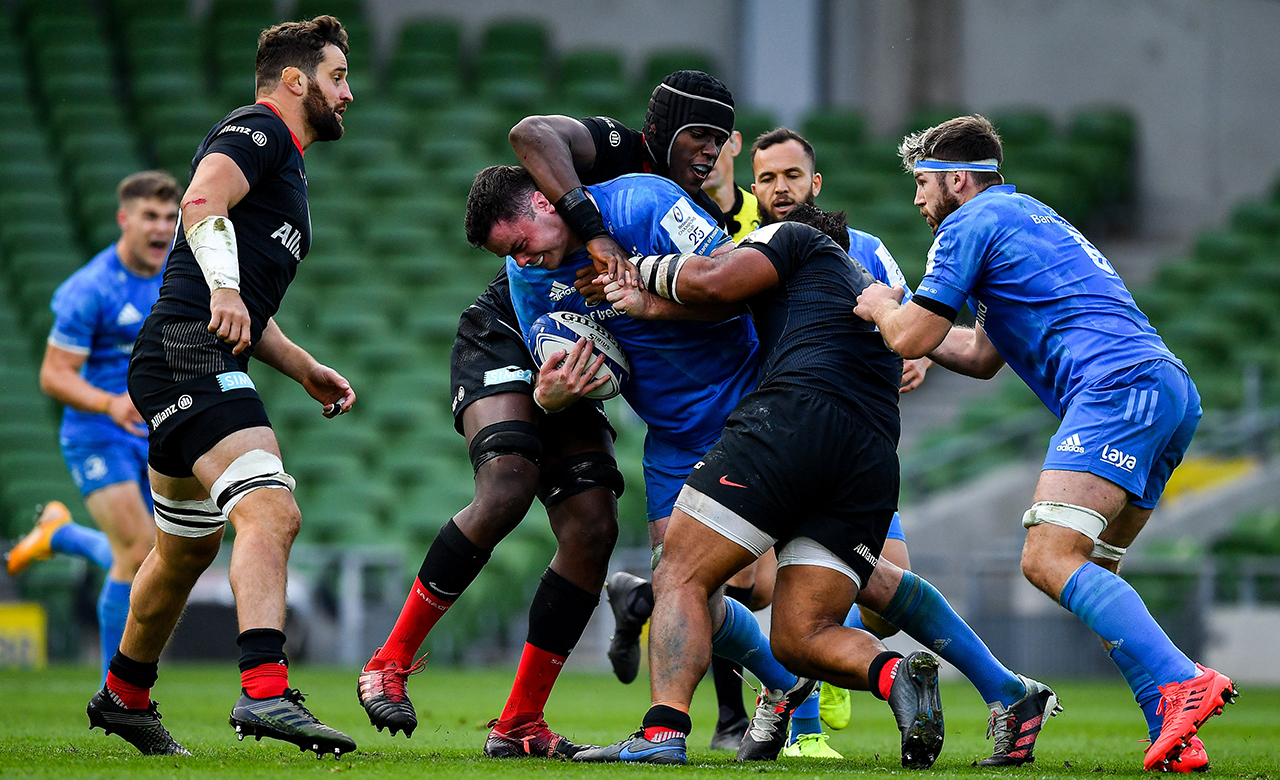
(647, 184)
(256, 125)
(863, 243)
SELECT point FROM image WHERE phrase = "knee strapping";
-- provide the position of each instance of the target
(509, 437)
(578, 474)
(192, 519)
(1077, 518)
(254, 470)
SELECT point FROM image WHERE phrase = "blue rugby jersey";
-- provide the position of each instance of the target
(686, 376)
(1050, 302)
(98, 312)
(874, 256)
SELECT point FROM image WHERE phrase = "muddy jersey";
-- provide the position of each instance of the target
(810, 337)
(272, 222)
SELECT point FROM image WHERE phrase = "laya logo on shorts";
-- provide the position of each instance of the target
(499, 376)
(1117, 458)
(235, 380)
(457, 399)
(1071, 444)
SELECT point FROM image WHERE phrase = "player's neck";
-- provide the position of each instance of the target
(290, 112)
(132, 264)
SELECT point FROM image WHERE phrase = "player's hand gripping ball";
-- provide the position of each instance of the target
(560, 330)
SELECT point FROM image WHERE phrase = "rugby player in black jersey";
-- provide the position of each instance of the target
(213, 456)
(519, 453)
(807, 461)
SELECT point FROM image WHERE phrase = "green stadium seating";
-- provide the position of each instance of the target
(660, 64)
(131, 11)
(595, 77)
(930, 116)
(839, 126)
(348, 11)
(1222, 250)
(1023, 125)
(527, 37)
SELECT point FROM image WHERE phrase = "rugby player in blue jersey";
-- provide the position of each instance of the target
(98, 312)
(518, 453)
(1050, 305)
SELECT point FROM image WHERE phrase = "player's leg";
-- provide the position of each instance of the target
(814, 592)
(505, 447)
(122, 513)
(189, 533)
(732, 718)
(696, 561)
(580, 486)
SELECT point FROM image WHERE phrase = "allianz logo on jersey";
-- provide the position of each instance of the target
(1117, 458)
(291, 238)
(559, 290)
(866, 554)
(1071, 444)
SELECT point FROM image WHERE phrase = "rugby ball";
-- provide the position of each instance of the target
(560, 330)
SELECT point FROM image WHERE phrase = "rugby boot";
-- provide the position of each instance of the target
(140, 728)
(635, 749)
(728, 734)
(834, 704)
(917, 706)
(1015, 729)
(285, 718)
(1186, 706)
(624, 645)
(382, 694)
(811, 746)
(1194, 758)
(771, 725)
(35, 545)
(533, 739)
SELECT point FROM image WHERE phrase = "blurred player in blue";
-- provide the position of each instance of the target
(1050, 304)
(98, 313)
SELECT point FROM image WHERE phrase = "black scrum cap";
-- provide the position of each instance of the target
(686, 98)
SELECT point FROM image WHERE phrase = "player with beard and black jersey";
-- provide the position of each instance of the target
(518, 452)
(213, 455)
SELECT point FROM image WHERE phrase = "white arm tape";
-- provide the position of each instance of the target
(213, 241)
(659, 273)
(1107, 552)
(1077, 518)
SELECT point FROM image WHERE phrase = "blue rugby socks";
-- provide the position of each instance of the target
(920, 610)
(113, 611)
(1114, 610)
(75, 539)
(805, 719)
(1145, 691)
(740, 639)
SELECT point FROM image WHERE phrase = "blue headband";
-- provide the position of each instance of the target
(931, 164)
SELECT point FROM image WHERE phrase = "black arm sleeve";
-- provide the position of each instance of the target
(940, 309)
(786, 245)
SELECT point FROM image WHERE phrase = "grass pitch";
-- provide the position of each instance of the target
(43, 731)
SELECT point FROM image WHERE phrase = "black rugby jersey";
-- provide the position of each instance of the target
(619, 151)
(810, 336)
(272, 222)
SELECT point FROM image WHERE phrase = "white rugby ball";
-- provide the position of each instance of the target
(560, 330)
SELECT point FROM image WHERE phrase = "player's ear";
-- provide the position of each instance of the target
(817, 184)
(122, 215)
(541, 203)
(292, 77)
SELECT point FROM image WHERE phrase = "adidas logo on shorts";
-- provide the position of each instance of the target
(1071, 444)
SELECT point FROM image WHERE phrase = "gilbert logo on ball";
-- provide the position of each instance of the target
(560, 330)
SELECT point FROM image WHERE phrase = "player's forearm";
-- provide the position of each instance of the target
(70, 389)
(546, 154)
(662, 309)
(964, 353)
(278, 351)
